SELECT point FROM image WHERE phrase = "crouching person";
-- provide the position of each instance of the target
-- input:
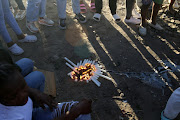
(17, 98)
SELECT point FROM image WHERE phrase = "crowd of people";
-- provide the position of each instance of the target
(36, 11)
(21, 88)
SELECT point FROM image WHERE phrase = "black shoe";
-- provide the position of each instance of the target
(62, 24)
(80, 18)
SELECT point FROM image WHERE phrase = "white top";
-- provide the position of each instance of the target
(17, 112)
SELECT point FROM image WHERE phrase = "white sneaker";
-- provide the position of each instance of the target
(135, 14)
(29, 38)
(32, 27)
(20, 14)
(16, 50)
(157, 26)
(132, 20)
(46, 21)
(142, 30)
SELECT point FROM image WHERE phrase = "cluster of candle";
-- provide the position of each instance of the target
(86, 70)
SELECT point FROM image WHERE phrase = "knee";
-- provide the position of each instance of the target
(28, 62)
(39, 76)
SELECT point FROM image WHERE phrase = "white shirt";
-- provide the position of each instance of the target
(17, 112)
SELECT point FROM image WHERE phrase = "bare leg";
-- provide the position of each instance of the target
(156, 8)
(144, 11)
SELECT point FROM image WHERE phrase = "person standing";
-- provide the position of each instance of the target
(61, 6)
(144, 10)
(112, 6)
(129, 17)
(6, 14)
(36, 9)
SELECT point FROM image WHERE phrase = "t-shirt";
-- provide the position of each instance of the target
(17, 112)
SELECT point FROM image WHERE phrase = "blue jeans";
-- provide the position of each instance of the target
(36, 79)
(5, 14)
(35, 9)
(61, 6)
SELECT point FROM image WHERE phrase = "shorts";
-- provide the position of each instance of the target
(147, 2)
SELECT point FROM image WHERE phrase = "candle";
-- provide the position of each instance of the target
(108, 78)
(96, 82)
(69, 61)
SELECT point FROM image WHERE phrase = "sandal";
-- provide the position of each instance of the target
(83, 8)
(97, 17)
(116, 18)
(92, 7)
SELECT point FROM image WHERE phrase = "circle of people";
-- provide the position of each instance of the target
(36, 11)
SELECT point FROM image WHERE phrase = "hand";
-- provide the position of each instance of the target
(42, 98)
(84, 106)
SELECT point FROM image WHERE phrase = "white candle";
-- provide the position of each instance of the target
(78, 65)
(69, 61)
(71, 67)
(93, 62)
(80, 62)
(96, 82)
(108, 78)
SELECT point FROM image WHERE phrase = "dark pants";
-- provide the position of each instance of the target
(112, 5)
(129, 7)
(20, 4)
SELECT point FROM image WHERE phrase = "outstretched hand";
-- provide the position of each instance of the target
(41, 99)
(84, 106)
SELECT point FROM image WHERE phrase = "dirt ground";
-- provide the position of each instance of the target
(131, 60)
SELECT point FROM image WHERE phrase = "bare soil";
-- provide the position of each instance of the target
(119, 49)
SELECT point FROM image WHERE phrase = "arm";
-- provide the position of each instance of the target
(84, 107)
(41, 98)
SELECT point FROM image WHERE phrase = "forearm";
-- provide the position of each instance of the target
(71, 115)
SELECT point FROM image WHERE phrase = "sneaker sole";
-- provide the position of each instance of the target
(31, 30)
(45, 24)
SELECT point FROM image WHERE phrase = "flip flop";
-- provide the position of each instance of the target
(92, 7)
(97, 17)
(83, 8)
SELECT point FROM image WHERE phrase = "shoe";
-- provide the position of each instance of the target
(20, 14)
(32, 27)
(97, 17)
(16, 50)
(135, 14)
(142, 30)
(132, 20)
(29, 38)
(80, 18)
(62, 24)
(157, 26)
(46, 21)
(116, 18)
